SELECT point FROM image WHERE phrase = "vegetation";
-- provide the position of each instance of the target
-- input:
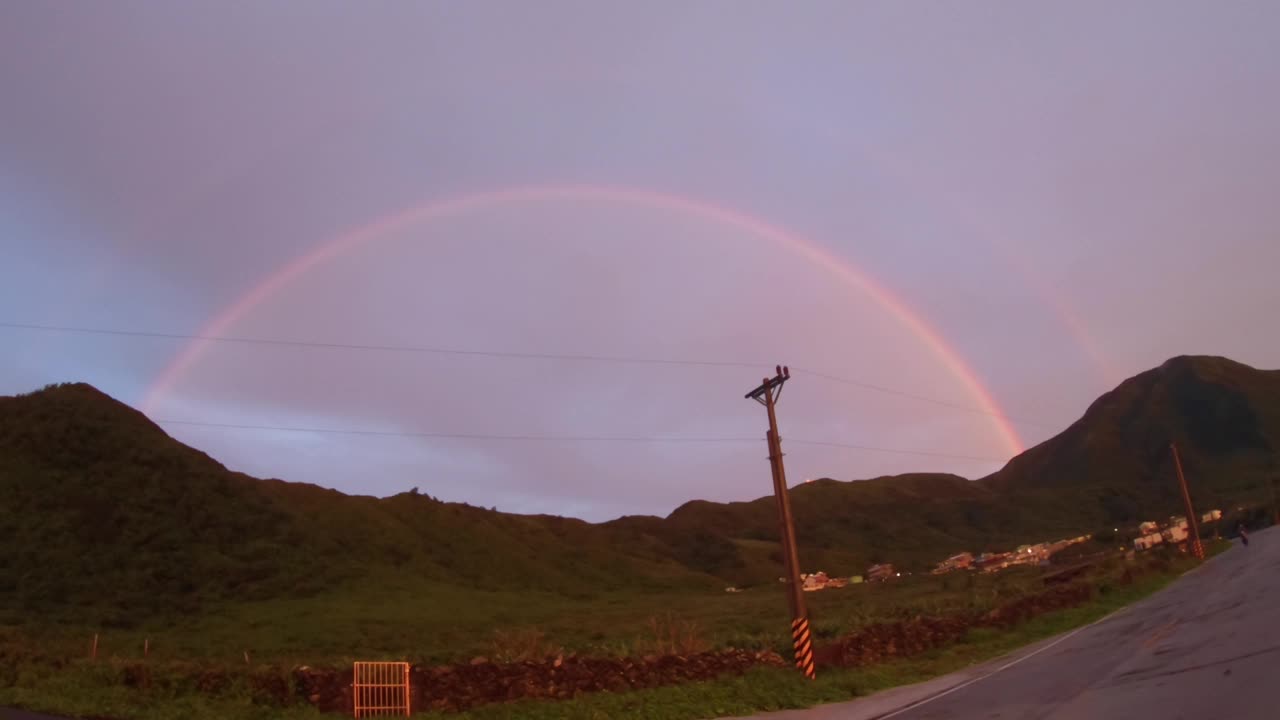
(110, 686)
(113, 522)
(426, 623)
(767, 690)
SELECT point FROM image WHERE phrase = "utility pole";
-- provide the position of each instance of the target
(1275, 507)
(800, 635)
(1192, 523)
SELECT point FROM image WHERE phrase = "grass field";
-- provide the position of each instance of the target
(767, 690)
(47, 669)
(394, 617)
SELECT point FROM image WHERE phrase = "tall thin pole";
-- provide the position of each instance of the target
(790, 569)
(1275, 506)
(1192, 523)
(790, 555)
(801, 637)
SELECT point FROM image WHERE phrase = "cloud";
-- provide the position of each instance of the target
(990, 168)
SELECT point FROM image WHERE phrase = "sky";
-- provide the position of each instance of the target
(957, 223)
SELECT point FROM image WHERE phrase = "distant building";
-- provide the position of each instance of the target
(962, 561)
(880, 572)
(1148, 541)
(991, 562)
(816, 581)
(1148, 527)
(1176, 534)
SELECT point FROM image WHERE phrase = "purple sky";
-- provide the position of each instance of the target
(1068, 194)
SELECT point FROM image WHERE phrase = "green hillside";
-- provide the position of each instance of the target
(108, 519)
(1115, 463)
(1111, 467)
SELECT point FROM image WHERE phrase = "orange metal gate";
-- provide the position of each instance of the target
(381, 689)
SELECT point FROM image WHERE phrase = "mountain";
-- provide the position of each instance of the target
(105, 515)
(1224, 416)
(1115, 466)
(1112, 467)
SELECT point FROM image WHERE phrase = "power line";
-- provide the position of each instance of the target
(924, 453)
(562, 438)
(464, 436)
(514, 355)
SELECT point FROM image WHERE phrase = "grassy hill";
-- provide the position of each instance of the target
(105, 516)
(108, 519)
(1114, 465)
(1111, 467)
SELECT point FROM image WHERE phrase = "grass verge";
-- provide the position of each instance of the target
(84, 689)
(767, 690)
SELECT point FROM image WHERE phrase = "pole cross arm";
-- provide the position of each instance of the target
(783, 375)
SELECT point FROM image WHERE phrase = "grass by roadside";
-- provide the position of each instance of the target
(88, 689)
(767, 690)
(402, 618)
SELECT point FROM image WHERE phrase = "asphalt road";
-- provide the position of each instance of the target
(1207, 646)
(7, 714)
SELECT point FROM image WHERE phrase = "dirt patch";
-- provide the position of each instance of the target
(1068, 574)
(889, 641)
(461, 686)
(327, 690)
(1022, 609)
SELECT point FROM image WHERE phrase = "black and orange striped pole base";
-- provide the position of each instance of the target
(803, 643)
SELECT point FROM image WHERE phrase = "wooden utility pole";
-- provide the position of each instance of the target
(1275, 505)
(1192, 522)
(800, 635)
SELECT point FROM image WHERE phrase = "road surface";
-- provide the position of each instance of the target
(7, 714)
(1207, 646)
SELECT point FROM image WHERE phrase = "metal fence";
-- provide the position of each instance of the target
(381, 689)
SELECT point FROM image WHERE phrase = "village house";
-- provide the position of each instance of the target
(1148, 541)
(1037, 554)
(1176, 534)
(962, 561)
(991, 562)
(880, 572)
(815, 581)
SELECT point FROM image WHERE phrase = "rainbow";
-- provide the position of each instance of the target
(477, 201)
